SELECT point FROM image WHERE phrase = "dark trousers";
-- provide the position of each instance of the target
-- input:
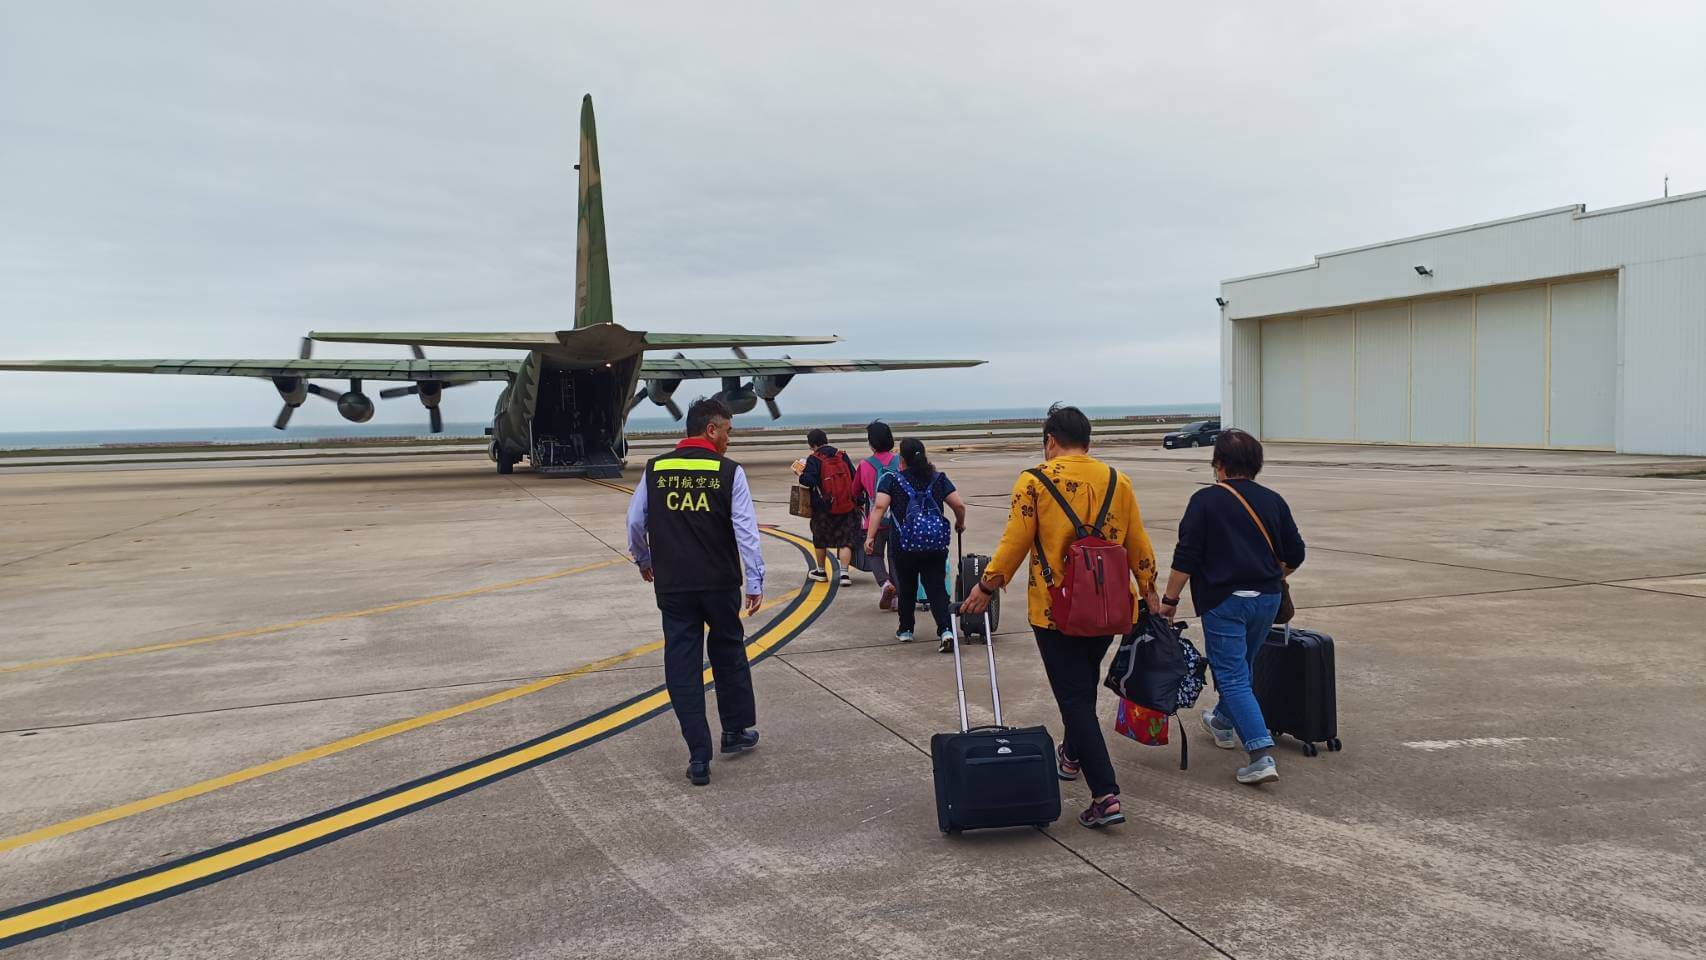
(932, 568)
(1074, 667)
(686, 643)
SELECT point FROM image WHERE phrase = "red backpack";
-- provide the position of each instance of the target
(1092, 597)
(835, 480)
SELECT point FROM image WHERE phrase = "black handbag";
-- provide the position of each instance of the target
(1157, 668)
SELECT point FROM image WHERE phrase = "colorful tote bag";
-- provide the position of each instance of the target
(1142, 724)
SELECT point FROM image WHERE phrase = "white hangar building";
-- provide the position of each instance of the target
(1565, 328)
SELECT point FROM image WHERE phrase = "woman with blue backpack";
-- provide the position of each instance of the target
(919, 536)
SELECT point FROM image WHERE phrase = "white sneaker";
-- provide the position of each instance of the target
(1224, 738)
(947, 644)
(817, 575)
(1261, 771)
(846, 579)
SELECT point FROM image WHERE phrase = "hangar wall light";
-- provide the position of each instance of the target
(1423, 270)
(1221, 301)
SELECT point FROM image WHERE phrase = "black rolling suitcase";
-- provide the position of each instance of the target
(970, 571)
(994, 776)
(1296, 686)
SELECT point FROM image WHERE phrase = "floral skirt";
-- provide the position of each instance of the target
(833, 531)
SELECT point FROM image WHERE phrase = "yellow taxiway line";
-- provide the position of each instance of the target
(54, 914)
(311, 621)
(211, 784)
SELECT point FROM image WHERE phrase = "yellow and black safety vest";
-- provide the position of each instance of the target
(689, 523)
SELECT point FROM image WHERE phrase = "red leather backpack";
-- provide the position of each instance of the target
(1092, 597)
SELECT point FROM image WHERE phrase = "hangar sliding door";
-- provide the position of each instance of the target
(1383, 374)
(1520, 367)
(1285, 357)
(1441, 344)
(1329, 391)
(1510, 368)
(1583, 354)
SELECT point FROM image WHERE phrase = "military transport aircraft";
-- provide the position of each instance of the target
(567, 403)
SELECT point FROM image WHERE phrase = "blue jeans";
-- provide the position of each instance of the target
(1233, 632)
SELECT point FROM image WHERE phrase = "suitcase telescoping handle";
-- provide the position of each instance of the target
(959, 669)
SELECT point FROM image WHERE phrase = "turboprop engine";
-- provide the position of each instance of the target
(769, 388)
(660, 392)
(741, 398)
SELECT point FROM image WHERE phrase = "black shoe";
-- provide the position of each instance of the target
(740, 742)
(699, 772)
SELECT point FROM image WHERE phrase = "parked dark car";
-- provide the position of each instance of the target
(1199, 434)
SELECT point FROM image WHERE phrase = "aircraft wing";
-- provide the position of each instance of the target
(689, 368)
(443, 371)
(480, 340)
(600, 341)
(702, 341)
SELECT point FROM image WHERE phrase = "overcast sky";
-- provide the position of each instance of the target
(1055, 188)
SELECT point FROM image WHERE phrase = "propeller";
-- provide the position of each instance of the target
(673, 408)
(428, 390)
(663, 395)
(770, 401)
(294, 391)
(668, 401)
(767, 387)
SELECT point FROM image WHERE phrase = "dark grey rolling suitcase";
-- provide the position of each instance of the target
(1296, 685)
(970, 571)
(994, 776)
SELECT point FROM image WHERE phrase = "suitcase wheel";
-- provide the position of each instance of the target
(1310, 750)
(1335, 745)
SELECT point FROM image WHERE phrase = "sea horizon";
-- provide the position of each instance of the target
(251, 434)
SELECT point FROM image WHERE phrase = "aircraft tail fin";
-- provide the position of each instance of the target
(592, 257)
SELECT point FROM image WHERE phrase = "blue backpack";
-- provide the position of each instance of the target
(923, 529)
(883, 470)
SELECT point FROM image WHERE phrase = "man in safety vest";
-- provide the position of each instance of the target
(691, 530)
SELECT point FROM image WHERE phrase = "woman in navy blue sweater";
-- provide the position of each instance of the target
(1235, 563)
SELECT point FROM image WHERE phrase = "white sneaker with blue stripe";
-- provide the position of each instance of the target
(1259, 771)
(1224, 737)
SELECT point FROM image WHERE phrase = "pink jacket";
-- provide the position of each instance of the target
(867, 477)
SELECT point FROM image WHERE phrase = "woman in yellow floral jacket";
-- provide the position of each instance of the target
(1073, 664)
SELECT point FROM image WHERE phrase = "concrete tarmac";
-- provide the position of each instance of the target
(214, 678)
